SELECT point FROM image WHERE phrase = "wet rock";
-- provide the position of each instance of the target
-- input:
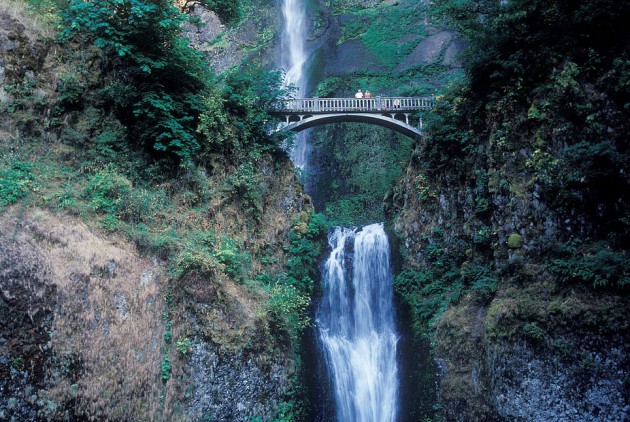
(205, 30)
(27, 297)
(351, 57)
(229, 386)
(535, 387)
(444, 47)
(453, 53)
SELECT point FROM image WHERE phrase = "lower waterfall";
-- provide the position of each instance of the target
(355, 323)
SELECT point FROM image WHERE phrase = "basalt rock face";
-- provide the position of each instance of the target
(533, 386)
(340, 53)
(517, 343)
(27, 301)
(226, 46)
(81, 317)
(442, 48)
(93, 325)
(233, 369)
(20, 51)
(83, 333)
(229, 387)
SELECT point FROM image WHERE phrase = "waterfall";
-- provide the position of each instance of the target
(293, 60)
(356, 325)
(294, 54)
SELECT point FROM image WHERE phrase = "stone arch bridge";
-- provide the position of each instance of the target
(397, 113)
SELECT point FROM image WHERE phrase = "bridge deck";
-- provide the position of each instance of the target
(355, 105)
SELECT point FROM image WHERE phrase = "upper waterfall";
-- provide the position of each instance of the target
(293, 61)
(293, 44)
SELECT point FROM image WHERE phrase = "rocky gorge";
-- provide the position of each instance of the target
(131, 289)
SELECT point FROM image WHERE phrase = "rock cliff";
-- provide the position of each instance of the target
(110, 316)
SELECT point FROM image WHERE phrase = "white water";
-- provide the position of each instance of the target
(356, 325)
(293, 60)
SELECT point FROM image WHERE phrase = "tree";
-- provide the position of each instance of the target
(159, 89)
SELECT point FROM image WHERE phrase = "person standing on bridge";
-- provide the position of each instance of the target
(359, 94)
(367, 94)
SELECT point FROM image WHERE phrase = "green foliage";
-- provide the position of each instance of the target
(168, 333)
(160, 89)
(108, 191)
(229, 11)
(236, 119)
(16, 182)
(381, 28)
(591, 176)
(196, 253)
(245, 185)
(165, 368)
(204, 252)
(183, 345)
(70, 89)
(533, 331)
(235, 260)
(21, 94)
(443, 277)
(110, 223)
(361, 165)
(594, 264)
(287, 307)
(17, 363)
(450, 142)
(482, 279)
(355, 210)
(424, 188)
(523, 46)
(290, 291)
(531, 105)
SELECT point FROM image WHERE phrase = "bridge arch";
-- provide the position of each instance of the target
(386, 121)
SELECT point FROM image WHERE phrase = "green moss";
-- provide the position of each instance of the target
(515, 241)
(533, 331)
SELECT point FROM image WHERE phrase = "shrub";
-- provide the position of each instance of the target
(515, 241)
(183, 345)
(245, 185)
(165, 368)
(16, 182)
(602, 267)
(236, 262)
(196, 254)
(287, 308)
(237, 120)
(70, 90)
(533, 331)
(108, 191)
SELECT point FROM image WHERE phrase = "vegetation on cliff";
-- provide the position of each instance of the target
(516, 202)
(118, 122)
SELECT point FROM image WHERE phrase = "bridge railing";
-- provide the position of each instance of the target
(327, 105)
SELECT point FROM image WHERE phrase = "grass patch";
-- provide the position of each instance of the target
(389, 31)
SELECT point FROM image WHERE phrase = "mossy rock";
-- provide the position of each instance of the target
(515, 241)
